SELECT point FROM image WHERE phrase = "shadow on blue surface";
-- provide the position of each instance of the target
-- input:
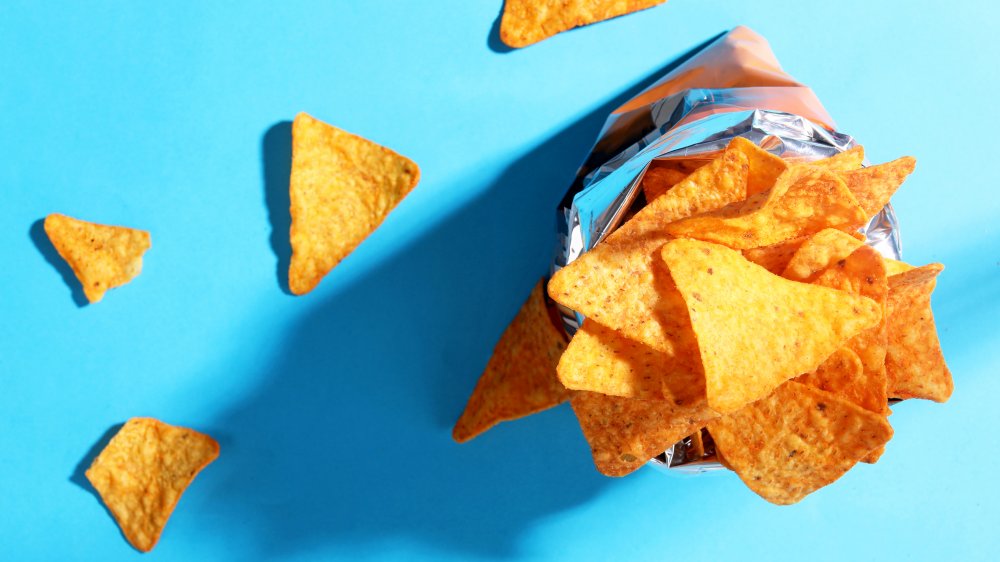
(44, 245)
(347, 440)
(276, 155)
(79, 476)
(493, 40)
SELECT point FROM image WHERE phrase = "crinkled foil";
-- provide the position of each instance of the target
(685, 124)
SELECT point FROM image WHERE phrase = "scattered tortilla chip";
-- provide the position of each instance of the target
(818, 252)
(803, 201)
(144, 470)
(599, 359)
(101, 256)
(850, 159)
(895, 267)
(525, 22)
(756, 330)
(914, 362)
(874, 185)
(796, 441)
(341, 189)
(520, 377)
(863, 273)
(624, 433)
(659, 180)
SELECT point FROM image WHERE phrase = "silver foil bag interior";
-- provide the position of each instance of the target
(693, 122)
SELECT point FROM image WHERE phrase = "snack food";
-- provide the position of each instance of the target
(143, 471)
(525, 22)
(101, 256)
(341, 189)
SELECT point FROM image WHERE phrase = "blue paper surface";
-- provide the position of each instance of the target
(334, 410)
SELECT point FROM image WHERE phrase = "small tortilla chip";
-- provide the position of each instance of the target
(101, 256)
(143, 472)
(818, 252)
(803, 201)
(659, 180)
(756, 330)
(342, 188)
(874, 185)
(914, 362)
(520, 377)
(850, 159)
(796, 440)
(526, 22)
(599, 359)
(624, 433)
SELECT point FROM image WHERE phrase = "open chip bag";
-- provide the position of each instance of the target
(728, 272)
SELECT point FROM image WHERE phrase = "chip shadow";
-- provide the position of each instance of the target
(276, 157)
(79, 476)
(48, 251)
(347, 439)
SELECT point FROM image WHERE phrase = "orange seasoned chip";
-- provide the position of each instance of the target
(525, 22)
(144, 470)
(914, 363)
(599, 359)
(874, 185)
(850, 159)
(775, 257)
(520, 377)
(101, 256)
(754, 329)
(818, 252)
(341, 189)
(624, 433)
(894, 267)
(803, 201)
(841, 374)
(660, 179)
(765, 168)
(863, 273)
(796, 440)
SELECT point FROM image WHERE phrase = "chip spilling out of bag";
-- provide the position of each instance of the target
(741, 304)
(520, 377)
(143, 471)
(341, 189)
(525, 22)
(101, 256)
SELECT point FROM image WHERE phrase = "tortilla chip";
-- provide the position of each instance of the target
(765, 168)
(914, 362)
(803, 201)
(796, 440)
(341, 189)
(895, 267)
(696, 448)
(525, 22)
(775, 257)
(101, 256)
(599, 359)
(624, 433)
(850, 159)
(144, 470)
(713, 186)
(520, 377)
(660, 179)
(874, 185)
(839, 375)
(756, 330)
(818, 252)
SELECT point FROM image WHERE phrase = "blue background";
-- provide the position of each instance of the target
(334, 409)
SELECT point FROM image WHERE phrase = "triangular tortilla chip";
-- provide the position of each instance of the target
(658, 180)
(818, 252)
(874, 185)
(101, 256)
(796, 440)
(765, 168)
(144, 470)
(341, 189)
(525, 22)
(803, 201)
(894, 267)
(850, 159)
(914, 362)
(756, 330)
(520, 377)
(624, 433)
(599, 359)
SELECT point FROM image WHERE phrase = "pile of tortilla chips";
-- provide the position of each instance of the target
(741, 300)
